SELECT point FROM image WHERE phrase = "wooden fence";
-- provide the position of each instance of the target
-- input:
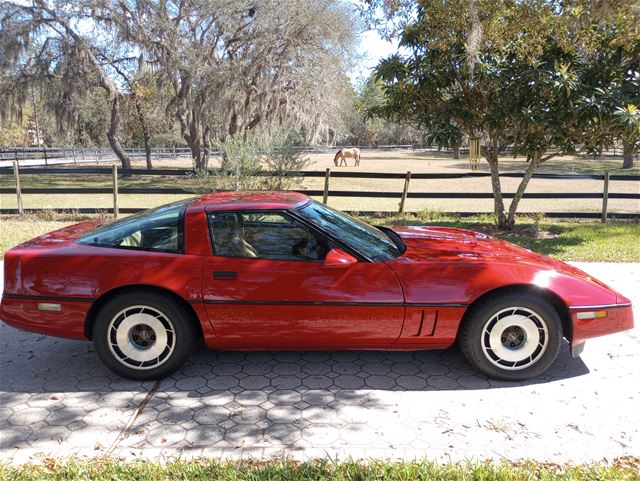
(50, 156)
(327, 192)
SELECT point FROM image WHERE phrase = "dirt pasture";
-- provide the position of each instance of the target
(399, 161)
(422, 161)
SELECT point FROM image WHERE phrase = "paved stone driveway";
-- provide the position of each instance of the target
(56, 399)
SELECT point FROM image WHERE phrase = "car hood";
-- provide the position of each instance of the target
(444, 244)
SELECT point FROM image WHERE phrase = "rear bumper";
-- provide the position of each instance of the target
(618, 318)
(24, 313)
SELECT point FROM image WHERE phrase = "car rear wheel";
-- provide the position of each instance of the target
(512, 336)
(143, 335)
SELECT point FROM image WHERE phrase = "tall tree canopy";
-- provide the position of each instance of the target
(366, 130)
(545, 77)
(231, 66)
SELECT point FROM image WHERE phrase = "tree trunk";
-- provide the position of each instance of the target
(147, 151)
(628, 162)
(456, 150)
(145, 130)
(498, 202)
(193, 142)
(196, 154)
(189, 123)
(513, 207)
(207, 148)
(192, 134)
(491, 155)
(112, 134)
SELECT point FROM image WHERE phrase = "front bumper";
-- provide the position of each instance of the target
(618, 318)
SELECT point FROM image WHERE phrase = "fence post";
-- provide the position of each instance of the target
(45, 156)
(16, 174)
(405, 191)
(325, 195)
(605, 196)
(115, 190)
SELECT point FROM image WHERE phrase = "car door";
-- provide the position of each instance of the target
(268, 286)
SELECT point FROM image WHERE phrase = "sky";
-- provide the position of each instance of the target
(372, 49)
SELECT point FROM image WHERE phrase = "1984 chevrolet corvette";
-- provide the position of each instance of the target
(281, 271)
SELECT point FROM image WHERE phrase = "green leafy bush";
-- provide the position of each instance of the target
(254, 163)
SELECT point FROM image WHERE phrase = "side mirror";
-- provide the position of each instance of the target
(339, 258)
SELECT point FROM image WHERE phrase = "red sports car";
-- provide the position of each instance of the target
(281, 271)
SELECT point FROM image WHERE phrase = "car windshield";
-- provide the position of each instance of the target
(359, 236)
(154, 229)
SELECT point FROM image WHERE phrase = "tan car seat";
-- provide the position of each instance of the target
(132, 240)
(231, 237)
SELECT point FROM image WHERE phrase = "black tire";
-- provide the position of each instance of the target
(493, 351)
(120, 316)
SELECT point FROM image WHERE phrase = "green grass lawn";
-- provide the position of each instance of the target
(563, 239)
(14, 231)
(569, 240)
(622, 470)
(575, 165)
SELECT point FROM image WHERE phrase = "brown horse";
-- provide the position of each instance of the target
(343, 154)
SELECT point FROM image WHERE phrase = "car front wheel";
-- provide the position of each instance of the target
(512, 336)
(143, 335)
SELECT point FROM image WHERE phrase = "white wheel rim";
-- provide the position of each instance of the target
(141, 337)
(514, 338)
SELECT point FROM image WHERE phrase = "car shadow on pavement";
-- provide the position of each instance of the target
(55, 389)
(32, 363)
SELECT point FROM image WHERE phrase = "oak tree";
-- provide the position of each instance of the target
(520, 74)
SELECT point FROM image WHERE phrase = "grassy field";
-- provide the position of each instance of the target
(562, 239)
(569, 240)
(102, 470)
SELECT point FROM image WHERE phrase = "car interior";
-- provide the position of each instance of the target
(265, 235)
(161, 237)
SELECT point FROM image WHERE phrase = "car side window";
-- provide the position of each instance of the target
(269, 235)
(158, 229)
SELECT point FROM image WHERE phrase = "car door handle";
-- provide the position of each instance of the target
(225, 275)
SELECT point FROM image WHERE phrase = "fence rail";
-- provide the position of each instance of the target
(605, 195)
(316, 173)
(334, 193)
(551, 215)
(38, 156)
(46, 156)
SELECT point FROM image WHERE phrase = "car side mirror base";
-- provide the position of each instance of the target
(339, 258)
